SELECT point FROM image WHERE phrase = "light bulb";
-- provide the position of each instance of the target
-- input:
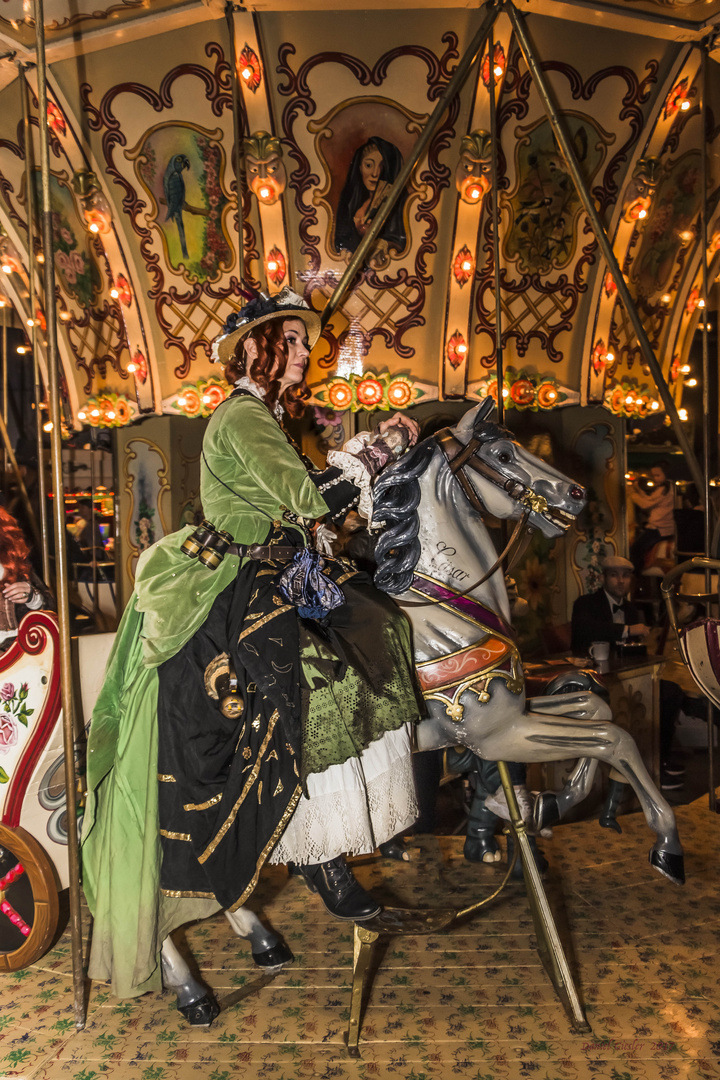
(654, 405)
(272, 266)
(685, 105)
(610, 357)
(182, 402)
(206, 399)
(683, 414)
(701, 303)
(21, 350)
(132, 367)
(466, 265)
(110, 415)
(666, 298)
(264, 192)
(685, 369)
(114, 293)
(691, 382)
(642, 213)
(629, 400)
(505, 392)
(94, 227)
(65, 316)
(95, 413)
(247, 73)
(6, 268)
(48, 426)
(81, 415)
(473, 192)
(462, 349)
(30, 322)
(498, 71)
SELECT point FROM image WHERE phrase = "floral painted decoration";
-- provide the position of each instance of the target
(108, 410)
(13, 711)
(527, 390)
(198, 399)
(368, 391)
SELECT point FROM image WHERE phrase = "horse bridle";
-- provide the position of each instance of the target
(460, 456)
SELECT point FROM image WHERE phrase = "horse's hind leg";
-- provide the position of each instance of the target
(551, 806)
(268, 951)
(194, 1000)
(535, 737)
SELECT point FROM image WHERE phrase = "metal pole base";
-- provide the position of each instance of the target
(550, 947)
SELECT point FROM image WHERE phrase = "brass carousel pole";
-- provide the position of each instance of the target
(59, 523)
(708, 506)
(5, 385)
(237, 130)
(558, 126)
(499, 371)
(453, 87)
(30, 207)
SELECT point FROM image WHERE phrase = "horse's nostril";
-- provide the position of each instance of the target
(576, 492)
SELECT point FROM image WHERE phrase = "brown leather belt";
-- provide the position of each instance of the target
(264, 552)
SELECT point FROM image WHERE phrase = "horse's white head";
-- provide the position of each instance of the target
(521, 481)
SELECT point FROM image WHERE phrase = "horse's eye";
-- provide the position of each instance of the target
(504, 458)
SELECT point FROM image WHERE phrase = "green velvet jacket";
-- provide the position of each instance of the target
(247, 451)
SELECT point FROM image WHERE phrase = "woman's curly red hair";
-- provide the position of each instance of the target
(14, 550)
(272, 349)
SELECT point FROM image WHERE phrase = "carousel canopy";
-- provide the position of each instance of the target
(342, 121)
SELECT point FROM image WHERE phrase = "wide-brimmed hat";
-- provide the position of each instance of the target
(285, 305)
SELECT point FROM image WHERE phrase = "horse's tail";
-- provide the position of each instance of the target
(396, 497)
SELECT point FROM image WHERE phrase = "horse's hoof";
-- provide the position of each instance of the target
(546, 810)
(277, 956)
(481, 849)
(671, 866)
(607, 822)
(394, 849)
(200, 1013)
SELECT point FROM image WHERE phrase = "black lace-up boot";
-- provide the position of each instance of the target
(339, 890)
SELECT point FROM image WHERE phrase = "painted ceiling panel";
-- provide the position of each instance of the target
(333, 104)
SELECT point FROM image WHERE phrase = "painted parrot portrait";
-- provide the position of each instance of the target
(174, 187)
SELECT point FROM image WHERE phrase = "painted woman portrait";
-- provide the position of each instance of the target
(373, 170)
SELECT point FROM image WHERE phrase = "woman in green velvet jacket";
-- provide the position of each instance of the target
(231, 729)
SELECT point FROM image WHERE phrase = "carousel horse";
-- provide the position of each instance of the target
(433, 547)
(436, 558)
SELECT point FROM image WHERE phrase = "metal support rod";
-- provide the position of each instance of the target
(499, 368)
(712, 802)
(453, 87)
(558, 126)
(237, 128)
(31, 213)
(59, 523)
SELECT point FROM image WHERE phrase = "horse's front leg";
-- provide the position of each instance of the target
(543, 737)
(194, 999)
(268, 951)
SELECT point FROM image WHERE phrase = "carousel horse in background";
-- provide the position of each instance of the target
(436, 558)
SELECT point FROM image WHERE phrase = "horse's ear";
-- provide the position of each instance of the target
(473, 418)
(484, 411)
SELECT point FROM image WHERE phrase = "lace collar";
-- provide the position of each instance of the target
(246, 383)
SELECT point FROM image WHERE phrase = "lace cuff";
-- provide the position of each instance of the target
(360, 460)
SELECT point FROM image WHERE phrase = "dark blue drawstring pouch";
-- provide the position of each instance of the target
(304, 584)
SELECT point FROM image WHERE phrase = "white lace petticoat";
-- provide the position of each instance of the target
(355, 806)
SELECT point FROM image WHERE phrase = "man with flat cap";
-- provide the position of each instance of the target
(607, 615)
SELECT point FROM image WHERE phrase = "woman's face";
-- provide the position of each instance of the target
(371, 168)
(297, 347)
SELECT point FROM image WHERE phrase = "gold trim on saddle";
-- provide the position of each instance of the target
(494, 656)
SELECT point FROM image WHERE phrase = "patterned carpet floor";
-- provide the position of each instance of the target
(472, 1002)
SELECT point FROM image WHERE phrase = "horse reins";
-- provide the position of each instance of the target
(459, 456)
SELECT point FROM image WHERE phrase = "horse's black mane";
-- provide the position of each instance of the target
(396, 496)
